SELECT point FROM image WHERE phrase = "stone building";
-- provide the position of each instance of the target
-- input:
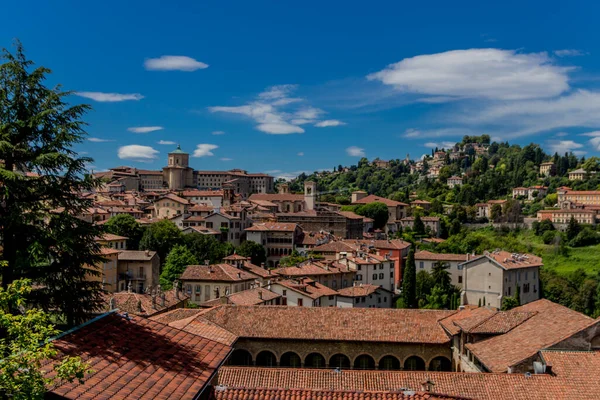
(499, 274)
(277, 238)
(547, 169)
(304, 292)
(365, 296)
(137, 270)
(433, 223)
(178, 174)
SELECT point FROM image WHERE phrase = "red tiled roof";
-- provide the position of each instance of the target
(137, 358)
(175, 315)
(336, 324)
(507, 261)
(272, 227)
(307, 287)
(216, 272)
(551, 324)
(141, 303)
(137, 255)
(427, 255)
(304, 269)
(466, 318)
(201, 208)
(334, 247)
(174, 197)
(276, 197)
(359, 291)
(251, 297)
(202, 193)
(372, 199)
(256, 270)
(480, 386)
(204, 328)
(502, 322)
(350, 215)
(231, 393)
(235, 257)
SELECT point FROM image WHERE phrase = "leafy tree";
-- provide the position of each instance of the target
(441, 276)
(585, 300)
(206, 247)
(586, 237)
(255, 251)
(551, 200)
(377, 211)
(573, 229)
(496, 213)
(548, 237)
(419, 227)
(409, 281)
(161, 236)
(178, 259)
(42, 237)
(508, 303)
(438, 299)
(423, 284)
(126, 225)
(25, 345)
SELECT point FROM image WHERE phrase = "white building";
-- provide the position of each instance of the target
(364, 296)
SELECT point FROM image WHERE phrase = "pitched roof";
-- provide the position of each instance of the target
(136, 255)
(307, 287)
(334, 247)
(551, 324)
(256, 270)
(132, 302)
(511, 260)
(276, 197)
(138, 358)
(350, 215)
(463, 385)
(231, 393)
(427, 255)
(202, 327)
(328, 323)
(175, 315)
(272, 227)
(235, 257)
(465, 319)
(202, 193)
(359, 291)
(216, 272)
(304, 269)
(251, 297)
(372, 199)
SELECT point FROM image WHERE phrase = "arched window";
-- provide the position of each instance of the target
(414, 363)
(440, 364)
(389, 363)
(314, 360)
(266, 359)
(364, 361)
(240, 357)
(339, 361)
(290, 359)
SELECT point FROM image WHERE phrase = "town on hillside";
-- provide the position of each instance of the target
(470, 272)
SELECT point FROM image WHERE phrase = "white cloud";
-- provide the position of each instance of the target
(273, 171)
(217, 133)
(204, 150)
(355, 151)
(440, 145)
(561, 134)
(592, 134)
(568, 53)
(301, 154)
(477, 73)
(166, 142)
(275, 112)
(564, 146)
(580, 108)
(225, 159)
(145, 129)
(99, 140)
(329, 122)
(137, 152)
(110, 97)
(174, 63)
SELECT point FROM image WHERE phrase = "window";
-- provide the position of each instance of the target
(362, 299)
(198, 289)
(380, 276)
(359, 267)
(459, 266)
(509, 290)
(334, 284)
(381, 266)
(460, 279)
(357, 300)
(526, 273)
(345, 283)
(379, 299)
(188, 289)
(421, 264)
(206, 292)
(325, 283)
(300, 302)
(284, 292)
(374, 277)
(330, 297)
(391, 274)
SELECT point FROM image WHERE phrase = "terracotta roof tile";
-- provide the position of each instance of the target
(175, 315)
(230, 393)
(141, 303)
(137, 358)
(307, 287)
(251, 297)
(428, 255)
(359, 291)
(216, 272)
(202, 327)
(272, 227)
(551, 324)
(136, 255)
(511, 260)
(338, 324)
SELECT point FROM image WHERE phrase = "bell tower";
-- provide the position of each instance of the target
(310, 192)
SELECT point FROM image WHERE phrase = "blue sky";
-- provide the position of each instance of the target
(301, 86)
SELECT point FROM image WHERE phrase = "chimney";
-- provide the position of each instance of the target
(147, 253)
(111, 303)
(154, 301)
(260, 295)
(239, 275)
(262, 265)
(162, 299)
(427, 385)
(139, 306)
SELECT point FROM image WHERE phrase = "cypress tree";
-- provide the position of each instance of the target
(409, 281)
(518, 295)
(42, 178)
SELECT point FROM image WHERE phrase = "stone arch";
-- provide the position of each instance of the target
(414, 363)
(240, 357)
(595, 343)
(290, 359)
(266, 359)
(440, 363)
(364, 361)
(314, 360)
(339, 361)
(389, 362)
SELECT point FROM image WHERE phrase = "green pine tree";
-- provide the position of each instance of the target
(409, 281)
